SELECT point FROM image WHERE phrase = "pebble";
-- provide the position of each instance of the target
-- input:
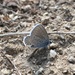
(71, 59)
(26, 8)
(60, 51)
(45, 14)
(53, 54)
(72, 67)
(58, 18)
(13, 74)
(35, 1)
(45, 20)
(47, 71)
(67, 26)
(5, 71)
(65, 71)
(74, 43)
(62, 37)
(29, 19)
(43, 7)
(39, 71)
(15, 18)
(53, 45)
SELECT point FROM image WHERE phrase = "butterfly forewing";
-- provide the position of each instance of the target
(39, 36)
(39, 31)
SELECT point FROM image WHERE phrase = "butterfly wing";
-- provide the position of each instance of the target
(27, 40)
(39, 36)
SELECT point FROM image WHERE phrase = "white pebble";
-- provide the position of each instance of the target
(5, 71)
(53, 53)
(39, 71)
(53, 45)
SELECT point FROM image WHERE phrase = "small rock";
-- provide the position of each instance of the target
(54, 7)
(43, 7)
(15, 18)
(47, 71)
(35, 1)
(60, 51)
(45, 14)
(73, 73)
(28, 70)
(65, 71)
(52, 2)
(29, 19)
(39, 71)
(24, 24)
(5, 71)
(72, 67)
(67, 26)
(26, 8)
(13, 74)
(74, 43)
(11, 15)
(71, 59)
(0, 46)
(53, 45)
(58, 17)
(53, 54)
(48, 64)
(45, 20)
(61, 37)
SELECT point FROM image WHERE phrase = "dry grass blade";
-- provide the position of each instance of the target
(12, 34)
(61, 33)
(27, 33)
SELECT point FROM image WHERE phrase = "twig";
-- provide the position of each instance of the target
(12, 34)
(61, 33)
(3, 55)
(27, 33)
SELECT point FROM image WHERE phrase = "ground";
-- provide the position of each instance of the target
(21, 16)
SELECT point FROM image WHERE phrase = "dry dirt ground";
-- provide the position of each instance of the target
(21, 16)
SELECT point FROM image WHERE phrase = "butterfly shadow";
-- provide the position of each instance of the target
(39, 57)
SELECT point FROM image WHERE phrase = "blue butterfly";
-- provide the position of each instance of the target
(37, 38)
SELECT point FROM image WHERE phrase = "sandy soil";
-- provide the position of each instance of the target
(22, 15)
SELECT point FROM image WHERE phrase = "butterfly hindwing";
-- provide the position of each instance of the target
(27, 40)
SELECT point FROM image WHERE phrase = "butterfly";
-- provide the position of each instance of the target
(37, 38)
